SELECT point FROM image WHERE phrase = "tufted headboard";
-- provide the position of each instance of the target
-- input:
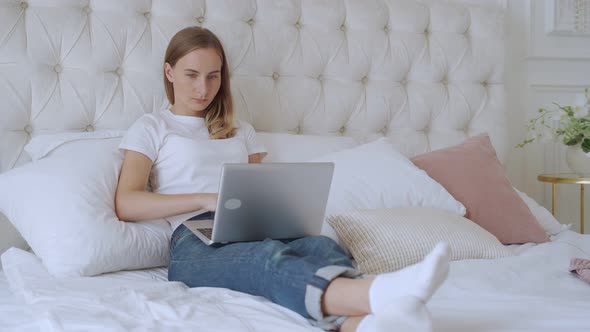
(426, 73)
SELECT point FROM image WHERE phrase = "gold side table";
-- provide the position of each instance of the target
(570, 178)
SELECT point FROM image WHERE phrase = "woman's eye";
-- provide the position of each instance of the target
(191, 76)
(213, 77)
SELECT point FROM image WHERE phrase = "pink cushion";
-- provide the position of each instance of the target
(472, 173)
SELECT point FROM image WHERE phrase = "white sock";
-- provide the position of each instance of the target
(420, 280)
(368, 324)
(406, 314)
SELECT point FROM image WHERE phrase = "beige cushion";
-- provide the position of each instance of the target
(384, 240)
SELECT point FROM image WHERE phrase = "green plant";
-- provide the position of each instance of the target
(570, 124)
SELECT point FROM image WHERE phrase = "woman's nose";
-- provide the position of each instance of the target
(201, 87)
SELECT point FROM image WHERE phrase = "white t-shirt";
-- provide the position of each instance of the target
(185, 160)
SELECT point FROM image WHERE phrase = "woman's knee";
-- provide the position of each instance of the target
(185, 245)
(325, 243)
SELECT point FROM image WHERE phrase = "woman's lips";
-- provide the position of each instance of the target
(199, 100)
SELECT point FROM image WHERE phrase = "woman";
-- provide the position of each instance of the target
(181, 150)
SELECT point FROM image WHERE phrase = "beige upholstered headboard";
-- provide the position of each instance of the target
(426, 73)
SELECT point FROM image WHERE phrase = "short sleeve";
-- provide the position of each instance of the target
(143, 137)
(252, 144)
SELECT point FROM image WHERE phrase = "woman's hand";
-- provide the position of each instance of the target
(208, 201)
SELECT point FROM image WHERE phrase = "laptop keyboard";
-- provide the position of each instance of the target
(208, 232)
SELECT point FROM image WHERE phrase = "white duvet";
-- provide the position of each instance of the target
(532, 291)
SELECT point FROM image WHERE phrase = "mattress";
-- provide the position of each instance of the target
(531, 291)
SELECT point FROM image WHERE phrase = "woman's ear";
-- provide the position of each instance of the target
(169, 73)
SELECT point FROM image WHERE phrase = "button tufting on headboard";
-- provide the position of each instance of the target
(408, 79)
(61, 68)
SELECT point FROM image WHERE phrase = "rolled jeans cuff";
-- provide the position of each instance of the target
(315, 290)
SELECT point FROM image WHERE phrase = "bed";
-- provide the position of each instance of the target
(426, 74)
(531, 291)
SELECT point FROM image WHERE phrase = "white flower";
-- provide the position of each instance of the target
(580, 106)
(580, 111)
(559, 115)
(558, 123)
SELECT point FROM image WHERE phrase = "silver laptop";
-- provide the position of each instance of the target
(259, 201)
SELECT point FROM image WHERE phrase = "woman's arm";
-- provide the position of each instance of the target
(133, 203)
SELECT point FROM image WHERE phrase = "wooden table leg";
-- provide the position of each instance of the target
(553, 199)
(581, 208)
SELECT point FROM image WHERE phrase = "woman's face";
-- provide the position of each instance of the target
(196, 78)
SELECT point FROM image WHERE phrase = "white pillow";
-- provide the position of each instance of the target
(63, 205)
(41, 145)
(298, 148)
(375, 175)
(385, 240)
(543, 216)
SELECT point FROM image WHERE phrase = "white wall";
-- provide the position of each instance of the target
(542, 67)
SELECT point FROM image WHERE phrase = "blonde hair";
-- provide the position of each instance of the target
(219, 115)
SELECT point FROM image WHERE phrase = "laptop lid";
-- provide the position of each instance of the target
(271, 200)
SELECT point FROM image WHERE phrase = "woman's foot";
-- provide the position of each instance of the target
(368, 324)
(419, 281)
(406, 314)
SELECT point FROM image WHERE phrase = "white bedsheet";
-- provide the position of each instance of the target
(529, 292)
(138, 301)
(532, 291)
(14, 315)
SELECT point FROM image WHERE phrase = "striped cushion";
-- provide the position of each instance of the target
(384, 240)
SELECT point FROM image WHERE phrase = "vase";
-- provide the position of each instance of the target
(577, 160)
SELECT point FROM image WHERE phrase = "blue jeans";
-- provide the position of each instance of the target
(292, 273)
